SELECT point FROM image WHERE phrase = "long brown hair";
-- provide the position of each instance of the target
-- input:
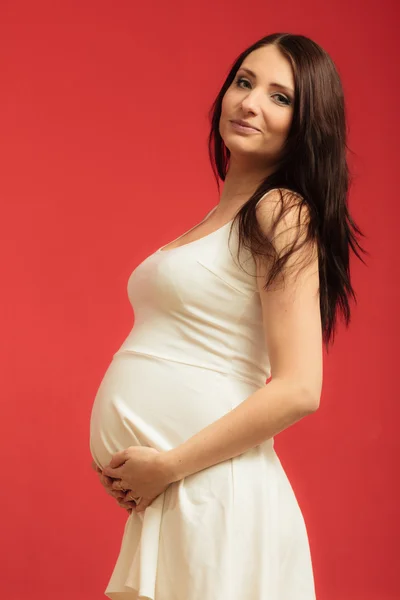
(313, 165)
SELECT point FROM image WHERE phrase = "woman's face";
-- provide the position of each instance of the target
(258, 99)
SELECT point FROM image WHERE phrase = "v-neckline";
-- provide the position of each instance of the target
(162, 251)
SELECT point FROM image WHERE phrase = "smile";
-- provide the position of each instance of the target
(243, 129)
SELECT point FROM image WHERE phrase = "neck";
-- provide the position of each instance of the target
(240, 184)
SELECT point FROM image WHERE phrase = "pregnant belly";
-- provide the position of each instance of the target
(145, 400)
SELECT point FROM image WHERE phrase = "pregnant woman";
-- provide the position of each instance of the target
(183, 420)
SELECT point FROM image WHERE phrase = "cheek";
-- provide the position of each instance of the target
(230, 103)
(277, 122)
(225, 115)
(224, 108)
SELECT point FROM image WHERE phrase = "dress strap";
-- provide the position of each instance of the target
(275, 189)
(208, 214)
(266, 194)
(188, 231)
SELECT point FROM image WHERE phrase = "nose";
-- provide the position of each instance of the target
(251, 102)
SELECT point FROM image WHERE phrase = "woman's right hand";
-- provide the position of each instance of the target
(117, 494)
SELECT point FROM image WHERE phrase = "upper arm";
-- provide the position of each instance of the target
(290, 308)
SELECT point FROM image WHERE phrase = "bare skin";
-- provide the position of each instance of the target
(263, 105)
(256, 98)
(117, 494)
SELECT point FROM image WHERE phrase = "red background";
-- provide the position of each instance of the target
(103, 159)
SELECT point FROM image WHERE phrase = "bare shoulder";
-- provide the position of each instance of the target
(291, 309)
(285, 209)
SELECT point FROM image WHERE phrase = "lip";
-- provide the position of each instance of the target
(244, 124)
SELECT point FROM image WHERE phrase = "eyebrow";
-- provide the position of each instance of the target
(279, 85)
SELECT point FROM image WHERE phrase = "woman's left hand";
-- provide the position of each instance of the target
(140, 470)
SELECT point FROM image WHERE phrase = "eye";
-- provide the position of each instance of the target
(286, 100)
(239, 80)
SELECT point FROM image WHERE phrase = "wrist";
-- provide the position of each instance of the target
(170, 466)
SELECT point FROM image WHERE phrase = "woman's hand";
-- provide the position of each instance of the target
(141, 471)
(118, 495)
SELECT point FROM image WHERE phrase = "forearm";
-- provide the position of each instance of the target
(268, 411)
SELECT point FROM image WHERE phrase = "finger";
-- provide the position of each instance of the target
(124, 504)
(107, 481)
(115, 473)
(115, 494)
(117, 460)
(109, 490)
(119, 485)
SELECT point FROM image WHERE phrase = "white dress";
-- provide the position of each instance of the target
(233, 531)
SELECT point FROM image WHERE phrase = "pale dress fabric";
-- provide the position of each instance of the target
(197, 349)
